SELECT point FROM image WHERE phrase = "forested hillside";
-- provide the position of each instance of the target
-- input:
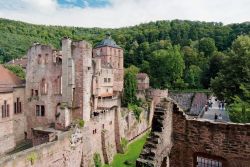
(176, 54)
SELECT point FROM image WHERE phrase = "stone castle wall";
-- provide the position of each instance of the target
(226, 142)
(41, 67)
(7, 138)
(20, 121)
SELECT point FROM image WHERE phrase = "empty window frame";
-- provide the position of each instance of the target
(40, 110)
(207, 162)
(17, 106)
(5, 109)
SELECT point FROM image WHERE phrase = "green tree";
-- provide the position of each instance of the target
(239, 111)
(130, 86)
(194, 76)
(16, 70)
(207, 46)
(235, 71)
(168, 66)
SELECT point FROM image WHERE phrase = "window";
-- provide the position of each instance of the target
(110, 123)
(40, 110)
(36, 92)
(39, 60)
(46, 58)
(105, 80)
(102, 126)
(17, 106)
(207, 162)
(94, 131)
(32, 92)
(109, 79)
(5, 110)
(44, 87)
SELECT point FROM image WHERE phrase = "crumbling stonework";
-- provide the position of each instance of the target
(225, 143)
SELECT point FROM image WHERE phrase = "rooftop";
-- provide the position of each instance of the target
(108, 41)
(8, 80)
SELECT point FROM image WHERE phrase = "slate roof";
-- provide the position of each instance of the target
(108, 41)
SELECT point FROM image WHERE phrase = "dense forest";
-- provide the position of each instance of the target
(176, 54)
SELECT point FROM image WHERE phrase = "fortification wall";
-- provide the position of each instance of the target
(53, 154)
(7, 138)
(20, 121)
(131, 127)
(227, 143)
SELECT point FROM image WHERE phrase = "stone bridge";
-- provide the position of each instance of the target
(179, 141)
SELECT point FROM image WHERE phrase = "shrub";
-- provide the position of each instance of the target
(124, 143)
(32, 158)
(97, 160)
(136, 110)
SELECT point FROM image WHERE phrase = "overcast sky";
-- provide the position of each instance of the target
(120, 13)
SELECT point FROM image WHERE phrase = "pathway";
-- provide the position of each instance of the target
(215, 109)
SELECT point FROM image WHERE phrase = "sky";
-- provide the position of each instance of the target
(121, 13)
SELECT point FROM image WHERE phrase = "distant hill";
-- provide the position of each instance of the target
(139, 42)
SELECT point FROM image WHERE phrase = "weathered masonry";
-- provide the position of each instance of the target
(179, 141)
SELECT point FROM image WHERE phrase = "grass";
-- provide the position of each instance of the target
(133, 152)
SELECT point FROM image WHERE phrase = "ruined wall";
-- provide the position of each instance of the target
(102, 135)
(54, 154)
(159, 143)
(131, 127)
(156, 94)
(7, 138)
(20, 121)
(82, 55)
(41, 68)
(225, 142)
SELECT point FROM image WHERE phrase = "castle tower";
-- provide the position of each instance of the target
(68, 72)
(82, 55)
(109, 52)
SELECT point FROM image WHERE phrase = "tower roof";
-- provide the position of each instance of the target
(108, 41)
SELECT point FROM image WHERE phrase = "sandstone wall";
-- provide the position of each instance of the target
(227, 142)
(7, 138)
(41, 67)
(188, 138)
(20, 121)
(54, 154)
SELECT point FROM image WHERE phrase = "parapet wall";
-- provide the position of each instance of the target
(228, 143)
(58, 153)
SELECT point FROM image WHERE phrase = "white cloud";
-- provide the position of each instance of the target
(125, 12)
